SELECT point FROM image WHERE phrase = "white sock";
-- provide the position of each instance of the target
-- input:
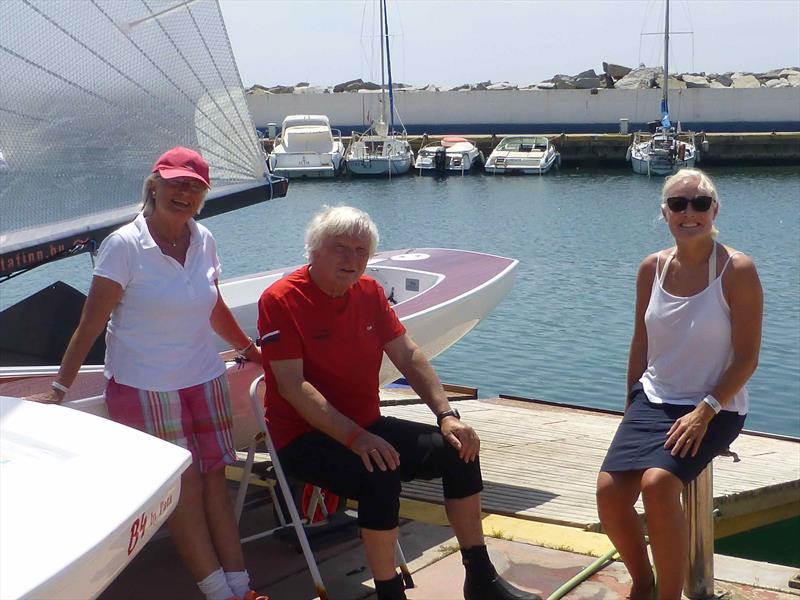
(239, 582)
(215, 586)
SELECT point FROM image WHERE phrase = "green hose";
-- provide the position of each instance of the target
(583, 575)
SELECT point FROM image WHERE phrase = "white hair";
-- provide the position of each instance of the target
(149, 195)
(705, 185)
(333, 221)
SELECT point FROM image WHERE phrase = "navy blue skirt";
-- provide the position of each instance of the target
(639, 441)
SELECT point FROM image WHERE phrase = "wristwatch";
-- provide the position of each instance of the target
(452, 412)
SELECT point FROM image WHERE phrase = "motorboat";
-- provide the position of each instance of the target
(380, 151)
(81, 496)
(523, 154)
(664, 150)
(439, 294)
(452, 154)
(307, 147)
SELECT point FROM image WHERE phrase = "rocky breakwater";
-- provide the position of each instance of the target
(611, 77)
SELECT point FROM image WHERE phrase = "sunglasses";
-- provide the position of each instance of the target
(193, 184)
(699, 203)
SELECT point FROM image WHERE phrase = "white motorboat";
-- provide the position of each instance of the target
(664, 151)
(440, 295)
(523, 154)
(380, 151)
(452, 154)
(80, 497)
(307, 147)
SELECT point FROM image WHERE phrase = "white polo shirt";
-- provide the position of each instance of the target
(159, 337)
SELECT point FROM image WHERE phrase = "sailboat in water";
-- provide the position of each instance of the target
(664, 151)
(380, 151)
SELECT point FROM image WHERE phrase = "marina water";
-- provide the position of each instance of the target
(562, 334)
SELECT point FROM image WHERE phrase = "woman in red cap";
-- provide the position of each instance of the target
(156, 285)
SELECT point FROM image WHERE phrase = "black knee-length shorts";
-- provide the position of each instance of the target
(424, 454)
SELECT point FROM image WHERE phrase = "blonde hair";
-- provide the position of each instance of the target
(149, 195)
(333, 221)
(705, 185)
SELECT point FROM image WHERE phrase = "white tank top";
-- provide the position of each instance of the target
(689, 342)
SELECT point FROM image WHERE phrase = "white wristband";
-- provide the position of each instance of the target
(59, 386)
(713, 403)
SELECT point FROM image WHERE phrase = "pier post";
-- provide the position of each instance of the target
(698, 506)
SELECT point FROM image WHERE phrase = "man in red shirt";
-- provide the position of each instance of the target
(324, 330)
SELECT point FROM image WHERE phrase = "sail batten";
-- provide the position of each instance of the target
(93, 91)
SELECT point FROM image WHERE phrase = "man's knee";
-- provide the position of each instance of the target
(379, 500)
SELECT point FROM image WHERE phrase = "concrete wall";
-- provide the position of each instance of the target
(551, 111)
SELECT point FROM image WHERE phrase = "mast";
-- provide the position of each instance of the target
(383, 83)
(665, 95)
(388, 65)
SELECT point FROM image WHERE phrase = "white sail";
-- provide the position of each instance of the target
(92, 92)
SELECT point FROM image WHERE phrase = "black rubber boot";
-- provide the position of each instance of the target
(393, 589)
(482, 581)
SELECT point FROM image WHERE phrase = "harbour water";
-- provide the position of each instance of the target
(562, 334)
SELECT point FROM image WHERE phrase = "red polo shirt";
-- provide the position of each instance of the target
(340, 341)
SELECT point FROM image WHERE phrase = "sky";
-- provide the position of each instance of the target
(450, 42)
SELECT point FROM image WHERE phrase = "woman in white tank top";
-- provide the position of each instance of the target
(696, 338)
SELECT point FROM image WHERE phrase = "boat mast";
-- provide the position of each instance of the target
(388, 65)
(383, 83)
(665, 96)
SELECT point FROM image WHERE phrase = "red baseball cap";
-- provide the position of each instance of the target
(182, 162)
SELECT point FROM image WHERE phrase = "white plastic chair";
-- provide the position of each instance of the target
(256, 400)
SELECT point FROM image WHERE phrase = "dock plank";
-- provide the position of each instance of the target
(540, 462)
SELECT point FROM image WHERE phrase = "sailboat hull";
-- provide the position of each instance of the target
(379, 166)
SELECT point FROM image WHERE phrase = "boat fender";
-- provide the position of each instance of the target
(681, 151)
(628, 155)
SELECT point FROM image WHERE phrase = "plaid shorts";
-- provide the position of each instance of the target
(197, 418)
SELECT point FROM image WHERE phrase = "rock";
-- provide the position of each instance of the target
(588, 83)
(695, 81)
(501, 86)
(642, 78)
(609, 81)
(793, 80)
(351, 86)
(788, 72)
(716, 85)
(589, 73)
(741, 81)
(458, 88)
(309, 89)
(302, 84)
(615, 71)
(725, 79)
(281, 89)
(546, 85)
(674, 83)
(776, 83)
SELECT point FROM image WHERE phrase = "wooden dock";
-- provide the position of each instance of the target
(540, 462)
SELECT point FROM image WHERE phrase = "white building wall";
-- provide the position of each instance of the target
(760, 108)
